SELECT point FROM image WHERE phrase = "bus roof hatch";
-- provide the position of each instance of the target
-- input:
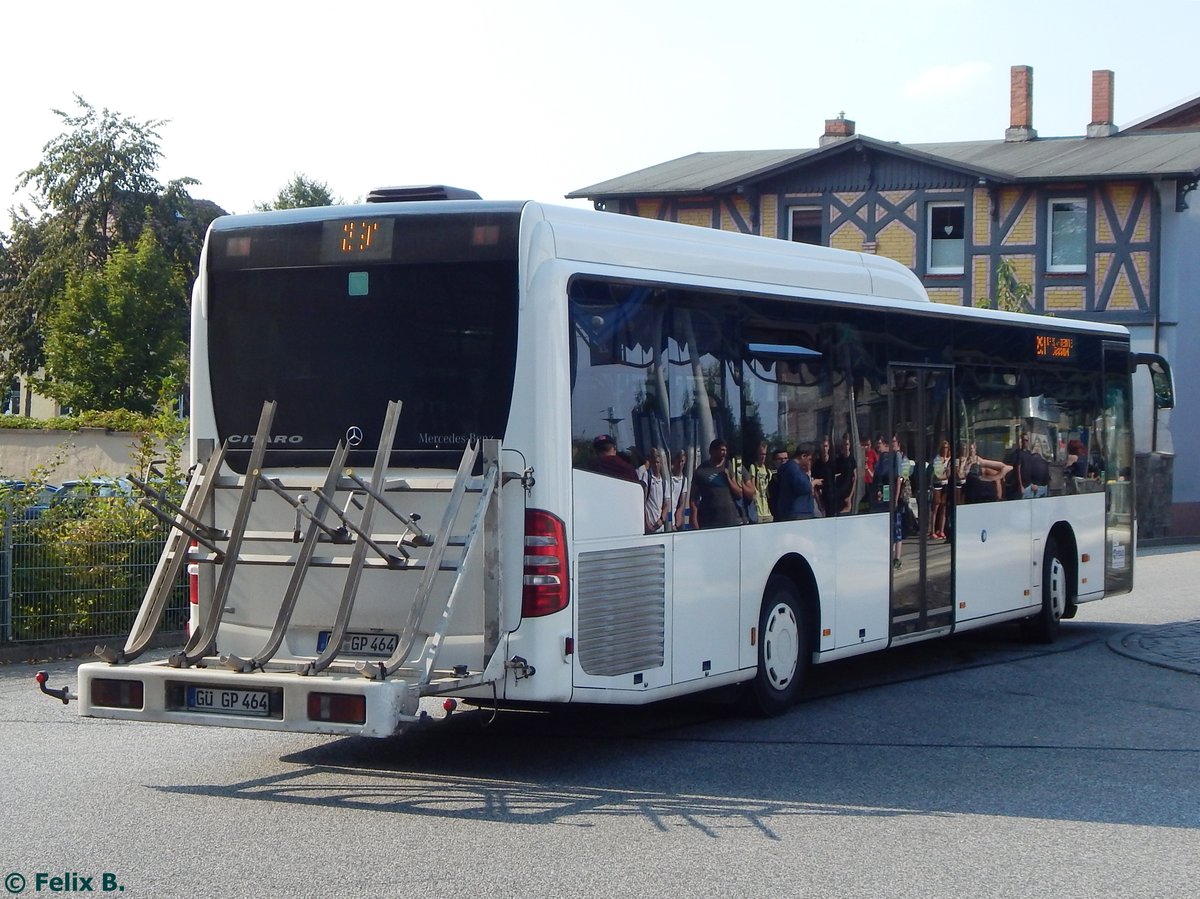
(413, 192)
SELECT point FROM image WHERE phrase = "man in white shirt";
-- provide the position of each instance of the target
(657, 510)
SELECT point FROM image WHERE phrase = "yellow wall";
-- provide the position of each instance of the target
(982, 222)
(702, 218)
(847, 236)
(952, 296)
(898, 242)
(769, 210)
(728, 222)
(1065, 299)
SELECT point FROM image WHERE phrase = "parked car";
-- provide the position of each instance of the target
(24, 500)
(78, 492)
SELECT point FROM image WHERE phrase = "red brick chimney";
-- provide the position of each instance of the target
(1020, 119)
(1101, 124)
(837, 129)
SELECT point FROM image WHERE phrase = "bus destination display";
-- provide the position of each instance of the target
(357, 239)
(1049, 346)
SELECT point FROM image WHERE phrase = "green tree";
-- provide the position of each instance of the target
(179, 224)
(94, 190)
(29, 278)
(1011, 295)
(300, 192)
(99, 174)
(116, 334)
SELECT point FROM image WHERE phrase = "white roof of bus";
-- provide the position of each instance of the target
(605, 237)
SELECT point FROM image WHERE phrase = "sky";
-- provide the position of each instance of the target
(532, 100)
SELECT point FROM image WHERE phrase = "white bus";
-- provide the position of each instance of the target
(395, 410)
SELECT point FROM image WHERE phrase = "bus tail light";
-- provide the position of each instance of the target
(117, 694)
(343, 708)
(545, 587)
(193, 582)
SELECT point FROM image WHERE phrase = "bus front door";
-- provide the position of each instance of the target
(922, 593)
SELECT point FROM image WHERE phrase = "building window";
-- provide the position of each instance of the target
(1068, 236)
(805, 225)
(947, 243)
(12, 399)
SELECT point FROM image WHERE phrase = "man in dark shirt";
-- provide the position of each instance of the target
(712, 491)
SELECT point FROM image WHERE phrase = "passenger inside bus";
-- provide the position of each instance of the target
(761, 472)
(744, 494)
(678, 487)
(608, 462)
(982, 479)
(779, 458)
(845, 479)
(798, 488)
(1032, 471)
(941, 470)
(657, 508)
(714, 495)
(822, 470)
(1077, 459)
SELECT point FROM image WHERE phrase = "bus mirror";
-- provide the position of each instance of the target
(1160, 378)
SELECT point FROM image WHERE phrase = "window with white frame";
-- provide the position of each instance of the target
(1067, 250)
(805, 224)
(946, 234)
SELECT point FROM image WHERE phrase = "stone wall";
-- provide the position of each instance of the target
(85, 452)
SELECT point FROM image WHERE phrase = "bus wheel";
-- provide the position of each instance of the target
(782, 649)
(1043, 627)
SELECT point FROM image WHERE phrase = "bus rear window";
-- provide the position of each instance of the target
(332, 344)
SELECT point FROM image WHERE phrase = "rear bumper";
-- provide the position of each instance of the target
(388, 704)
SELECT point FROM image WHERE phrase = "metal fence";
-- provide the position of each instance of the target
(61, 580)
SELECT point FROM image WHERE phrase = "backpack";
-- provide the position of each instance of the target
(773, 495)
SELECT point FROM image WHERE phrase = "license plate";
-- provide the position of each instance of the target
(357, 643)
(229, 702)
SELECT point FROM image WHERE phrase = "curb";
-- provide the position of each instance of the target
(28, 653)
(1175, 646)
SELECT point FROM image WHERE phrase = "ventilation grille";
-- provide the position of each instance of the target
(622, 610)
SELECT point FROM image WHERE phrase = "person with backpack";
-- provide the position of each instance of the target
(889, 476)
(761, 472)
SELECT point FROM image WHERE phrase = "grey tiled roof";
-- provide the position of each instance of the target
(1165, 154)
(693, 174)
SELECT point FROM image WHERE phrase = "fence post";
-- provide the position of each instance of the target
(6, 558)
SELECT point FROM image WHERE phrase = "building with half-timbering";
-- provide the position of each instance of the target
(1096, 226)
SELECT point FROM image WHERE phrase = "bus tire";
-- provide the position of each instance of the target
(782, 649)
(1056, 597)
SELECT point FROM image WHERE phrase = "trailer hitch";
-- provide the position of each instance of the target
(61, 693)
